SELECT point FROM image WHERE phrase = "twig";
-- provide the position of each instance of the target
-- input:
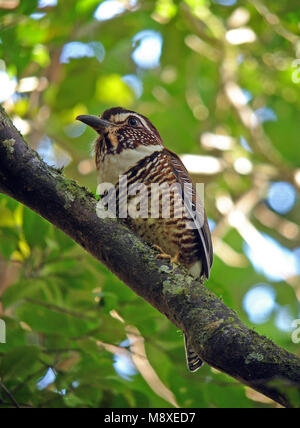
(59, 309)
(273, 20)
(9, 395)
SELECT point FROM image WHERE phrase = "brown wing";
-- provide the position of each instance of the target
(196, 212)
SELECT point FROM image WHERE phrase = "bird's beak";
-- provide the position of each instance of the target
(94, 122)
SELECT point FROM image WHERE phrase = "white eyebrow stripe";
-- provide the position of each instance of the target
(122, 117)
(143, 122)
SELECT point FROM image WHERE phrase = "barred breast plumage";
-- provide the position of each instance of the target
(171, 234)
(130, 146)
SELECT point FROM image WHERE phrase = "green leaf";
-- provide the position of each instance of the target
(19, 362)
(22, 289)
(59, 322)
(35, 229)
(9, 239)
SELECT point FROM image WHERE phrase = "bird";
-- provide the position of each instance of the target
(129, 145)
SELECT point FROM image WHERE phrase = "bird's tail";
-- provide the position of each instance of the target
(193, 361)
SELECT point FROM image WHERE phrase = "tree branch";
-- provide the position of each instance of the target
(215, 331)
(9, 395)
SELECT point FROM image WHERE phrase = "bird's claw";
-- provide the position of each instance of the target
(165, 256)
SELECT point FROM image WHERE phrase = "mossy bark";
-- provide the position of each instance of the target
(214, 330)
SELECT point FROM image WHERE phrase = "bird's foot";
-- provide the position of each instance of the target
(163, 255)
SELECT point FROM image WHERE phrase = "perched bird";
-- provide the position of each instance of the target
(129, 145)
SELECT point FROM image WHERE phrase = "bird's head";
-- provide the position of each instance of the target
(119, 130)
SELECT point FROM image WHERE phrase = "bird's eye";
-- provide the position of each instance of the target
(132, 121)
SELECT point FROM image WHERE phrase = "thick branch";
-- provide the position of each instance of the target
(215, 331)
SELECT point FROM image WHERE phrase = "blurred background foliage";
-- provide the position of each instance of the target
(221, 81)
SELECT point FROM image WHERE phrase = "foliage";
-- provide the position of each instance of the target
(208, 94)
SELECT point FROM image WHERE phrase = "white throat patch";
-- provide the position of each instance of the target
(119, 163)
